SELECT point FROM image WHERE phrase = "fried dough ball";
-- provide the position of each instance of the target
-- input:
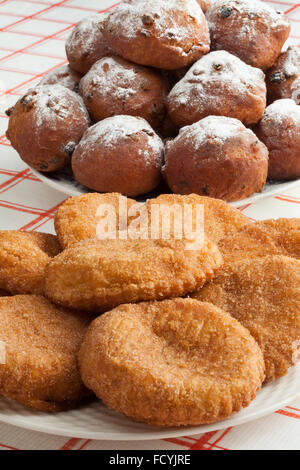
(96, 275)
(23, 258)
(167, 35)
(41, 345)
(259, 239)
(204, 4)
(63, 76)
(119, 154)
(46, 124)
(249, 29)
(283, 78)
(220, 219)
(115, 86)
(76, 219)
(86, 43)
(279, 130)
(263, 294)
(219, 84)
(172, 363)
(216, 157)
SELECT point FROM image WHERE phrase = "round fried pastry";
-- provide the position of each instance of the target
(41, 343)
(76, 219)
(167, 35)
(263, 294)
(283, 78)
(96, 275)
(64, 76)
(172, 363)
(259, 239)
(23, 258)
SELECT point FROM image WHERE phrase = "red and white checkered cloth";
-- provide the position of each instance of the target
(32, 36)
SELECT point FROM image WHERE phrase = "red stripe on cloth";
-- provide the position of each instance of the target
(220, 438)
(202, 442)
(288, 413)
(70, 444)
(177, 441)
(16, 178)
(84, 444)
(280, 198)
(48, 215)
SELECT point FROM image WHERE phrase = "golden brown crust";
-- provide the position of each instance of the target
(263, 294)
(41, 344)
(86, 43)
(116, 86)
(283, 78)
(168, 35)
(172, 363)
(76, 219)
(119, 154)
(64, 76)
(279, 130)
(219, 84)
(99, 275)
(216, 157)
(23, 258)
(249, 29)
(220, 219)
(46, 124)
(259, 239)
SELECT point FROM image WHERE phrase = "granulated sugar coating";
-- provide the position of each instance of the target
(259, 239)
(172, 363)
(263, 294)
(41, 345)
(23, 258)
(98, 275)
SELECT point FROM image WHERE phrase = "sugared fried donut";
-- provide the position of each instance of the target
(219, 84)
(216, 157)
(220, 219)
(115, 86)
(98, 275)
(168, 35)
(249, 29)
(119, 154)
(263, 294)
(259, 239)
(41, 344)
(172, 363)
(279, 130)
(86, 43)
(283, 78)
(64, 76)
(46, 124)
(23, 258)
(76, 219)
(204, 4)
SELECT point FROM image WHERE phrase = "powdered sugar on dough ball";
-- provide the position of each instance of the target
(63, 76)
(115, 86)
(86, 43)
(283, 78)
(218, 84)
(216, 157)
(119, 154)
(249, 29)
(279, 129)
(168, 35)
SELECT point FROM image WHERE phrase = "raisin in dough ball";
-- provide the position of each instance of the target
(86, 43)
(283, 78)
(216, 157)
(279, 130)
(249, 29)
(63, 76)
(114, 86)
(45, 126)
(119, 154)
(168, 35)
(219, 84)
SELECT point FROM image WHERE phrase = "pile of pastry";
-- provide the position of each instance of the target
(173, 91)
(170, 331)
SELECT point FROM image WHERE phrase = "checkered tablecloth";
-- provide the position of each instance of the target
(32, 36)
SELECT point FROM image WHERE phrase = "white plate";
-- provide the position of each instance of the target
(65, 183)
(95, 421)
